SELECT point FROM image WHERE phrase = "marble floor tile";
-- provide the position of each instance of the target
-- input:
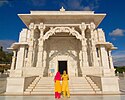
(76, 97)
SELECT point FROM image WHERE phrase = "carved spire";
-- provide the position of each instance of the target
(62, 9)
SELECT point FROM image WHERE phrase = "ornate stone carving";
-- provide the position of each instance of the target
(82, 26)
(31, 26)
(40, 46)
(69, 30)
(41, 26)
(92, 26)
(101, 35)
(62, 9)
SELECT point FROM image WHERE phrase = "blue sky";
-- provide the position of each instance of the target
(113, 24)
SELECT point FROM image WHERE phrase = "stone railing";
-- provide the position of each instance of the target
(106, 83)
(28, 81)
(96, 80)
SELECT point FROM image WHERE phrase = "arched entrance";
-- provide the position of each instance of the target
(62, 50)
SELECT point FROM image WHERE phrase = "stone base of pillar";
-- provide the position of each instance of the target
(32, 71)
(41, 75)
(39, 64)
(15, 73)
(108, 72)
(91, 71)
(15, 85)
(110, 85)
(107, 84)
(42, 72)
(83, 75)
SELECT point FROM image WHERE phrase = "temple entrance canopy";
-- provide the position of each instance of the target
(62, 35)
(62, 47)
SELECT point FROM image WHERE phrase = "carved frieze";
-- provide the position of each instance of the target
(69, 30)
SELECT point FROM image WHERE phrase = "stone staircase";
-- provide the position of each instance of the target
(77, 85)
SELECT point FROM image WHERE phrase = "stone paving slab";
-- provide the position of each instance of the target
(75, 97)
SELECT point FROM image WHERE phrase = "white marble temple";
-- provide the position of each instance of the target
(54, 37)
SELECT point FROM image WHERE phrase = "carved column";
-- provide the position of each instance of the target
(94, 52)
(20, 57)
(84, 45)
(30, 50)
(104, 57)
(13, 60)
(40, 46)
(110, 60)
(105, 62)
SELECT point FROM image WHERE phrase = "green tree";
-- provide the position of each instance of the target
(8, 57)
(120, 69)
(2, 55)
(1, 48)
(1, 69)
(5, 57)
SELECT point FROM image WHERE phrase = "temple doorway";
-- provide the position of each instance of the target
(62, 65)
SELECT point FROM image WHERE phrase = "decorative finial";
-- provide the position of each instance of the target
(62, 9)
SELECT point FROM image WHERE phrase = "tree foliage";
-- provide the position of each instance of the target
(120, 69)
(5, 60)
(5, 57)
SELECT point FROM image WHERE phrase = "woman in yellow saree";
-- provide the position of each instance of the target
(65, 86)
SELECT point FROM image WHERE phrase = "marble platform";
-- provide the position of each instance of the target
(75, 97)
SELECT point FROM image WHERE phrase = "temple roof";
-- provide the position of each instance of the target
(61, 17)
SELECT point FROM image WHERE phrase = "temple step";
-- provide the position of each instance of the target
(77, 85)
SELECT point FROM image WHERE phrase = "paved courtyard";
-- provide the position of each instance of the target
(75, 97)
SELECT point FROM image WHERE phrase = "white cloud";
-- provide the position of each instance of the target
(3, 2)
(6, 44)
(74, 4)
(117, 32)
(119, 58)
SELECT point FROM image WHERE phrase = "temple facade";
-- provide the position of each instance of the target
(62, 40)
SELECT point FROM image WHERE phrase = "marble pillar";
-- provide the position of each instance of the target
(111, 63)
(105, 62)
(110, 60)
(94, 52)
(30, 50)
(20, 57)
(13, 60)
(84, 45)
(104, 57)
(19, 62)
(40, 46)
